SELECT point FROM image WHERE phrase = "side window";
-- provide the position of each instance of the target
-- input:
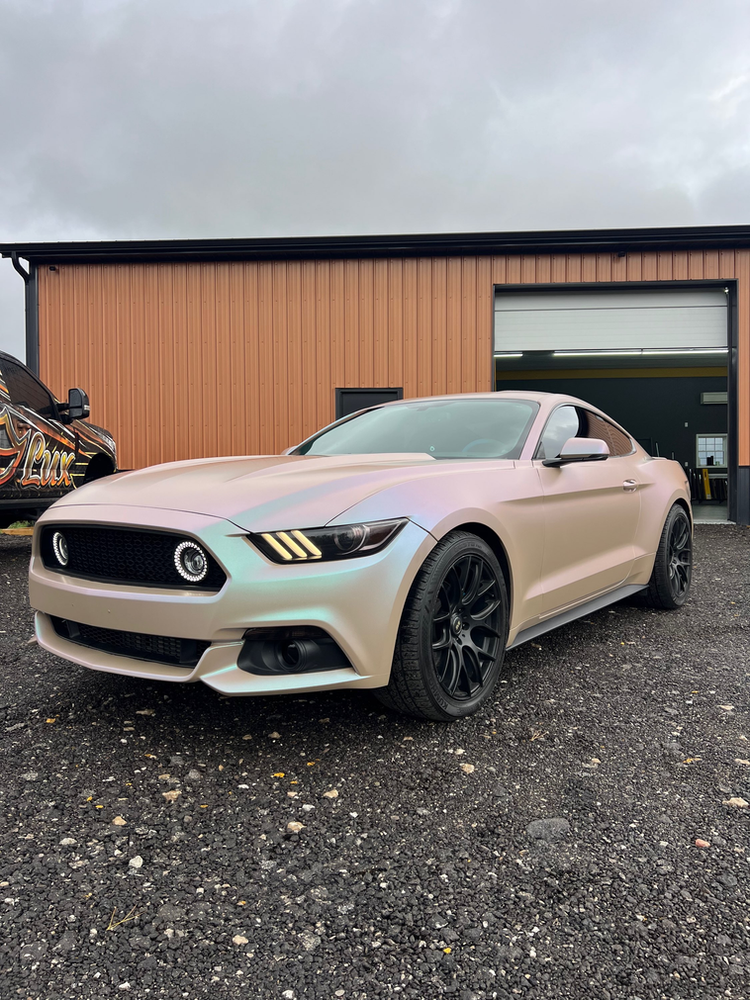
(595, 426)
(563, 424)
(26, 391)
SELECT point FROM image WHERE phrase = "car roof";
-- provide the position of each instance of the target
(11, 357)
(547, 401)
(551, 398)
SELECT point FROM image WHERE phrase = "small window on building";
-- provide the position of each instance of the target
(711, 451)
(350, 400)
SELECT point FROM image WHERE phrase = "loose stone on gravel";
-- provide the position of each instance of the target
(555, 828)
(308, 940)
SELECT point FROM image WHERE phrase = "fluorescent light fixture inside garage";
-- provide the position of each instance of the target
(508, 354)
(692, 350)
(596, 354)
(642, 352)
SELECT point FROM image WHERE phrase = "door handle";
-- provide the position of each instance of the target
(630, 485)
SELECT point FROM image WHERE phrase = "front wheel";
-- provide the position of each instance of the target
(453, 631)
(669, 585)
(99, 467)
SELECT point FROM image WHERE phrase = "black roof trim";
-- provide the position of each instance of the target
(425, 245)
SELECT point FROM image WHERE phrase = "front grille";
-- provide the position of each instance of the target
(124, 555)
(140, 645)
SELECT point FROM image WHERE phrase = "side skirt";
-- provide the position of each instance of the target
(578, 612)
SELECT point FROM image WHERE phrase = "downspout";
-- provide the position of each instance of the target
(32, 312)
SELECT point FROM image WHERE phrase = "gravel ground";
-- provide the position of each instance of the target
(157, 840)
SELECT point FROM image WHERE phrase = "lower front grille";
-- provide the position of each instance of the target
(140, 645)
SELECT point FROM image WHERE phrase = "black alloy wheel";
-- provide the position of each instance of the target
(680, 558)
(466, 622)
(669, 586)
(453, 631)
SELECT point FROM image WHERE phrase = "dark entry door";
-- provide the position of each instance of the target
(350, 400)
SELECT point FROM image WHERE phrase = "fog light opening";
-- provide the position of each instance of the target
(297, 654)
(291, 650)
(290, 654)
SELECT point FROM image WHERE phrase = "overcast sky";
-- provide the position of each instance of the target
(129, 119)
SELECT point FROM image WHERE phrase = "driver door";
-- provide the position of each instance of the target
(36, 451)
(591, 512)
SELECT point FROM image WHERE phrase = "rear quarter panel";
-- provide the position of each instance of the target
(663, 483)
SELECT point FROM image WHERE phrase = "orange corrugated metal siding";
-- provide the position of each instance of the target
(190, 360)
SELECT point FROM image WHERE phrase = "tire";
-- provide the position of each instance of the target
(99, 467)
(669, 585)
(452, 636)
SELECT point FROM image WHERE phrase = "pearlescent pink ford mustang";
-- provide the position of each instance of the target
(403, 548)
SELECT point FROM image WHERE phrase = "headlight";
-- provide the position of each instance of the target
(190, 561)
(60, 548)
(315, 544)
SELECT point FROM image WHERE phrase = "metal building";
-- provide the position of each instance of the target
(192, 348)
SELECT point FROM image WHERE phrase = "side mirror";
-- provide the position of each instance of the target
(580, 450)
(78, 405)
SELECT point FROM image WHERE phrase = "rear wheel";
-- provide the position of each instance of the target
(669, 585)
(452, 635)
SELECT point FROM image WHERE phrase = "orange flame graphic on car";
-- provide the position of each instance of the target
(11, 457)
(41, 467)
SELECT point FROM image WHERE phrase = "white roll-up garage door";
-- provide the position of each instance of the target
(611, 320)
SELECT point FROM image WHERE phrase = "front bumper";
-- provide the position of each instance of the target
(358, 602)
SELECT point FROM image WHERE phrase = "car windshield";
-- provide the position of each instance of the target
(442, 428)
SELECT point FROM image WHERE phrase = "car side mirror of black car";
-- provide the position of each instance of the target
(580, 450)
(77, 407)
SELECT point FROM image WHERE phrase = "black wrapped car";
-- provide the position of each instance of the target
(47, 448)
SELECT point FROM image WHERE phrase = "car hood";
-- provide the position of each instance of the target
(266, 493)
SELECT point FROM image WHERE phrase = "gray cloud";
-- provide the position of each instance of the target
(129, 119)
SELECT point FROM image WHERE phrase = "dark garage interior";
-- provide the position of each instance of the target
(665, 408)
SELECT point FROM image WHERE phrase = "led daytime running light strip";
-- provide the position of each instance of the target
(305, 550)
